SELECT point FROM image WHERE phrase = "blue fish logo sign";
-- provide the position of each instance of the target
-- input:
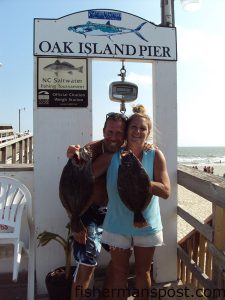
(108, 30)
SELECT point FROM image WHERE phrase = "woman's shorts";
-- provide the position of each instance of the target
(126, 241)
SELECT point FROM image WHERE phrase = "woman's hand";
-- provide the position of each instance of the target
(148, 146)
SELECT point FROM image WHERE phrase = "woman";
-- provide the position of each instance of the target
(119, 232)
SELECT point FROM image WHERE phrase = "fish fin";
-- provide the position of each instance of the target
(139, 220)
(108, 23)
(138, 33)
(56, 73)
(70, 72)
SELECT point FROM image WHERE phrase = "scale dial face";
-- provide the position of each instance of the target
(123, 91)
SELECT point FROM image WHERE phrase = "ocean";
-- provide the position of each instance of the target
(201, 155)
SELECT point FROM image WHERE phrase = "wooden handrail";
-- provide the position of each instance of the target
(204, 257)
(18, 150)
(204, 229)
(208, 186)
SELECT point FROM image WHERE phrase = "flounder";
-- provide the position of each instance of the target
(134, 187)
(76, 186)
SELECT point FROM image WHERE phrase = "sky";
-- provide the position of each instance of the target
(200, 65)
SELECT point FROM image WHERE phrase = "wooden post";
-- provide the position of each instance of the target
(219, 242)
(30, 150)
(4, 155)
(208, 268)
(20, 152)
(195, 256)
(202, 250)
(14, 153)
(26, 151)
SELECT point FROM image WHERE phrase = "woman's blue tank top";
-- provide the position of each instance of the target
(119, 219)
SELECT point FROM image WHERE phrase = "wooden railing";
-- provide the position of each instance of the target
(201, 255)
(6, 135)
(17, 150)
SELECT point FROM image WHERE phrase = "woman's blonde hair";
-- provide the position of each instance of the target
(140, 111)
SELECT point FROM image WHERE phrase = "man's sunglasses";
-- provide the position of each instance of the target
(116, 116)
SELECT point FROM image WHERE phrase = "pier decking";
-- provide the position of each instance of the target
(167, 291)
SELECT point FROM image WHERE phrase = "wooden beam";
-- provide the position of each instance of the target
(204, 229)
(21, 138)
(219, 242)
(197, 272)
(217, 254)
(208, 186)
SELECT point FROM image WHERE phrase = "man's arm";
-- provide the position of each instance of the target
(161, 184)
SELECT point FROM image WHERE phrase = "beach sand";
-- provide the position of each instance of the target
(219, 169)
(197, 206)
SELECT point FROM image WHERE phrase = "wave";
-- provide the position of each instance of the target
(201, 160)
(201, 155)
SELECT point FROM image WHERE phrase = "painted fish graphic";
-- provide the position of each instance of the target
(133, 187)
(76, 186)
(97, 29)
(58, 66)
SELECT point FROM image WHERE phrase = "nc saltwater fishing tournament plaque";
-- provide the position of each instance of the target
(62, 82)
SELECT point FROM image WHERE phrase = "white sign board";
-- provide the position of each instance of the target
(62, 82)
(106, 34)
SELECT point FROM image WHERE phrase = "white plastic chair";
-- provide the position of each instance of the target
(15, 199)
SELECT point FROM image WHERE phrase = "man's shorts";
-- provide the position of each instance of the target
(92, 219)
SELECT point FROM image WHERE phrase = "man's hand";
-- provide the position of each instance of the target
(72, 149)
(80, 237)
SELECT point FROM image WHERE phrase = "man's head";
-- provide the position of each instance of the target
(114, 131)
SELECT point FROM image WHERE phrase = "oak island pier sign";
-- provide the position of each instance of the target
(98, 33)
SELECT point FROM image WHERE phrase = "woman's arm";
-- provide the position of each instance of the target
(161, 184)
(101, 163)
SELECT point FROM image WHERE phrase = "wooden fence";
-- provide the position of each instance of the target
(201, 254)
(7, 135)
(17, 150)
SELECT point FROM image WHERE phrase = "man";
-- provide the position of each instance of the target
(87, 243)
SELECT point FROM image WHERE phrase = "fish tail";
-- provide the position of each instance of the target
(138, 33)
(71, 28)
(80, 69)
(139, 220)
